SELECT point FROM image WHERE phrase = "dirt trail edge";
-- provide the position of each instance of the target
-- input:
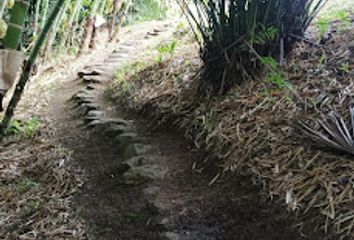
(141, 185)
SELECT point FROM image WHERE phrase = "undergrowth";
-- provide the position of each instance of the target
(27, 128)
(252, 129)
(147, 10)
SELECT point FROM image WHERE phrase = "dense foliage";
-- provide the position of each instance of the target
(234, 35)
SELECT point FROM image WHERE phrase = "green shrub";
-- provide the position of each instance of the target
(24, 128)
(146, 10)
(235, 34)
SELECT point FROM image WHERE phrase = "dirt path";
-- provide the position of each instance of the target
(143, 185)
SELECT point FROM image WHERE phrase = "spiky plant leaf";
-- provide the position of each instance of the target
(230, 28)
(332, 131)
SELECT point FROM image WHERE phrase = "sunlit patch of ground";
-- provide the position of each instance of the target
(337, 5)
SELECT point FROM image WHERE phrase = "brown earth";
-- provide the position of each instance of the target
(181, 201)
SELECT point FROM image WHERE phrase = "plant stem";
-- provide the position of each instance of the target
(27, 68)
(2, 7)
(36, 18)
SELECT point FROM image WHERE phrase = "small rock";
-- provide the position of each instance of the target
(94, 114)
(88, 120)
(136, 161)
(113, 130)
(90, 87)
(164, 222)
(170, 236)
(86, 107)
(102, 125)
(83, 96)
(78, 95)
(87, 72)
(135, 149)
(127, 138)
(94, 123)
(117, 121)
(93, 79)
(86, 100)
(139, 175)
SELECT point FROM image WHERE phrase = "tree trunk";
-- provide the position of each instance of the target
(92, 44)
(123, 11)
(116, 7)
(89, 27)
(27, 68)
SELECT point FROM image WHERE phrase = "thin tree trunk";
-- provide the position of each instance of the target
(92, 44)
(44, 8)
(36, 17)
(73, 33)
(76, 10)
(102, 7)
(27, 68)
(85, 35)
(89, 26)
(116, 7)
(53, 33)
(122, 15)
(2, 7)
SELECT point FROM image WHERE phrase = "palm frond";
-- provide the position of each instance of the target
(228, 27)
(332, 131)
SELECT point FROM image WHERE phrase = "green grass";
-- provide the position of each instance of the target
(147, 10)
(336, 5)
(25, 185)
(322, 23)
(129, 69)
(26, 128)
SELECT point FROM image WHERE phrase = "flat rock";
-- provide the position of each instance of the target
(127, 138)
(113, 130)
(102, 124)
(95, 114)
(170, 236)
(83, 109)
(88, 120)
(89, 72)
(90, 87)
(83, 96)
(94, 79)
(139, 175)
(86, 100)
(135, 149)
(136, 161)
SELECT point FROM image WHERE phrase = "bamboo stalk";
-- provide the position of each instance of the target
(89, 27)
(70, 39)
(36, 17)
(44, 8)
(2, 7)
(17, 21)
(123, 11)
(55, 28)
(27, 68)
(74, 13)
